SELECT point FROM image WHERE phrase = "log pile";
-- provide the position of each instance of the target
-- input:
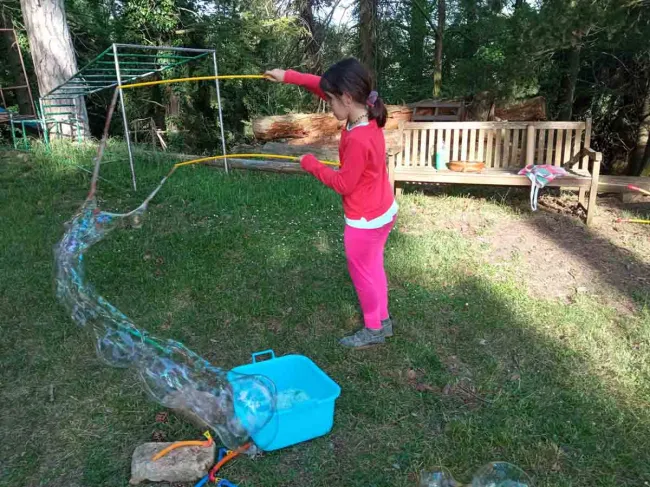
(319, 133)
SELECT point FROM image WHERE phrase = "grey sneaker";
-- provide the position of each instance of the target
(387, 327)
(364, 338)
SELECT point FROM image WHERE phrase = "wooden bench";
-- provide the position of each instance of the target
(505, 148)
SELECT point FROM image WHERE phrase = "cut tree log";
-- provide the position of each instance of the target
(532, 109)
(317, 128)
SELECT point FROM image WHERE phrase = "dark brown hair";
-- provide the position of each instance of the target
(349, 76)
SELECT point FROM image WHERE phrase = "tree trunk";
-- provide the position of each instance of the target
(368, 33)
(437, 74)
(312, 43)
(53, 54)
(417, 34)
(519, 4)
(640, 160)
(470, 9)
(9, 47)
(570, 80)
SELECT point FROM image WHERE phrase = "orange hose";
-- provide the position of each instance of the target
(180, 444)
(229, 456)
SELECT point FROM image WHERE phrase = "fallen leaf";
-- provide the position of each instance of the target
(514, 377)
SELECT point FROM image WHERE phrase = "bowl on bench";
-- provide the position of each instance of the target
(466, 166)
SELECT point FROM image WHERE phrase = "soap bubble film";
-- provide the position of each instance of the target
(501, 474)
(235, 406)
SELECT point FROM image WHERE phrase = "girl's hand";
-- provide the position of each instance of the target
(307, 162)
(275, 75)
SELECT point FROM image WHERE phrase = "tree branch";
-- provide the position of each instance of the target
(426, 16)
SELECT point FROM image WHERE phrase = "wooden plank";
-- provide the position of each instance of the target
(558, 125)
(577, 143)
(464, 145)
(431, 154)
(496, 125)
(481, 145)
(464, 125)
(439, 140)
(408, 134)
(549, 146)
(447, 146)
(568, 136)
(435, 118)
(455, 144)
(541, 145)
(507, 147)
(423, 147)
(472, 145)
(584, 164)
(492, 177)
(489, 161)
(521, 161)
(530, 145)
(497, 148)
(514, 155)
(557, 159)
(415, 158)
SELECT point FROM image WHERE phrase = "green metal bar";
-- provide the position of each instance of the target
(69, 94)
(25, 143)
(81, 70)
(139, 63)
(77, 82)
(108, 70)
(92, 76)
(154, 56)
(13, 131)
(165, 68)
(46, 135)
(58, 106)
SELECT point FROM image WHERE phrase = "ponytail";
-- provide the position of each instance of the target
(377, 112)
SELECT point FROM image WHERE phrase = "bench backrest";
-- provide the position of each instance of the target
(497, 144)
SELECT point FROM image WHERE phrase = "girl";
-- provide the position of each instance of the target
(362, 180)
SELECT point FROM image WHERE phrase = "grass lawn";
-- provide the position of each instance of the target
(485, 364)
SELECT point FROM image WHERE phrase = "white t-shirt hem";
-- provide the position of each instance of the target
(375, 223)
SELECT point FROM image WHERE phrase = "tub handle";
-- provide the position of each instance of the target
(256, 355)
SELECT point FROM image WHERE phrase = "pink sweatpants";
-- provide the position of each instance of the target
(364, 250)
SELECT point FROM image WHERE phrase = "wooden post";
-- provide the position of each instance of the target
(593, 190)
(530, 145)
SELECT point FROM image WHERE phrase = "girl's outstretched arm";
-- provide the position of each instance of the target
(307, 81)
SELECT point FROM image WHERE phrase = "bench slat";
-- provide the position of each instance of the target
(493, 177)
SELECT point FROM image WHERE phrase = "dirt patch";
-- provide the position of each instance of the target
(559, 257)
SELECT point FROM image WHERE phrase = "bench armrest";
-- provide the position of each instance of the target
(593, 155)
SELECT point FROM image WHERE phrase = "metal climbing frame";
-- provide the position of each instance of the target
(119, 66)
(14, 119)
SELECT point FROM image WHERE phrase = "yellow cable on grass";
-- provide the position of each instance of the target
(196, 78)
(246, 156)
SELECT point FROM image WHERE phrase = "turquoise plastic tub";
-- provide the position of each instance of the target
(305, 400)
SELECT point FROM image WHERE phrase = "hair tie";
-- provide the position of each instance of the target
(372, 98)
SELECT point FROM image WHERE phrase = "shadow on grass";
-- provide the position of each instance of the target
(615, 266)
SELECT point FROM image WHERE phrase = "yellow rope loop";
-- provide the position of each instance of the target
(196, 78)
(247, 156)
